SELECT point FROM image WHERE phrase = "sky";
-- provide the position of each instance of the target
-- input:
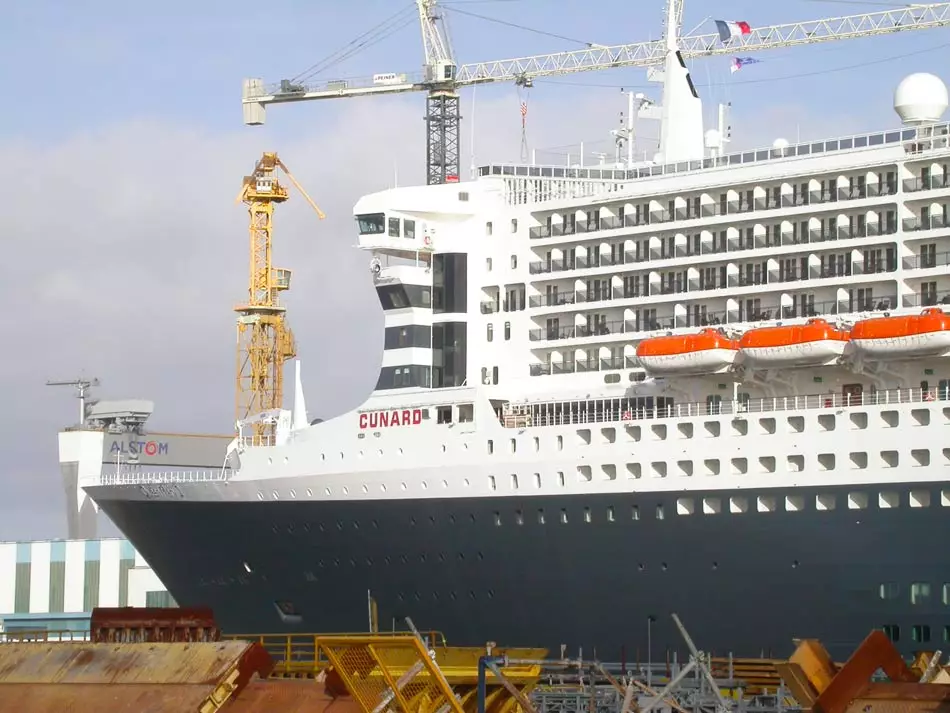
(121, 128)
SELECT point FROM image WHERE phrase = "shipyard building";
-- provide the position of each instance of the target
(53, 586)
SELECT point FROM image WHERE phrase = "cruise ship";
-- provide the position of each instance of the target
(711, 384)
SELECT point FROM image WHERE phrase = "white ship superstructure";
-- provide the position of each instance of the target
(617, 383)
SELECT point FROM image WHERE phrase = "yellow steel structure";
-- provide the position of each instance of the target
(397, 673)
(264, 341)
(394, 672)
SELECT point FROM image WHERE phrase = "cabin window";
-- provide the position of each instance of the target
(443, 414)
(466, 413)
(490, 332)
(507, 331)
(488, 229)
(714, 404)
(494, 375)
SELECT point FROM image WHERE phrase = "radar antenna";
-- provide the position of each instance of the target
(81, 386)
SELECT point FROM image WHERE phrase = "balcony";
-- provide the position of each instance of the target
(709, 210)
(927, 298)
(926, 261)
(735, 245)
(584, 365)
(582, 331)
(918, 183)
(931, 222)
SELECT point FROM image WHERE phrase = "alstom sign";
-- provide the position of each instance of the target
(136, 448)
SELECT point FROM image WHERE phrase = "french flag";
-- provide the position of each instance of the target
(730, 28)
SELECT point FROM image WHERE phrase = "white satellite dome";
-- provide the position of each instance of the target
(920, 98)
(779, 146)
(713, 139)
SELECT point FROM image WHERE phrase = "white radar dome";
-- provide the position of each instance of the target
(920, 98)
(713, 139)
(780, 147)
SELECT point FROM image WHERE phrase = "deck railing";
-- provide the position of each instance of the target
(136, 477)
(627, 409)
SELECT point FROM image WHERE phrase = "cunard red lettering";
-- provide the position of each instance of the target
(386, 419)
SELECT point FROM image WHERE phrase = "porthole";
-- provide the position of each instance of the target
(260, 495)
(293, 493)
(309, 493)
(326, 491)
(276, 495)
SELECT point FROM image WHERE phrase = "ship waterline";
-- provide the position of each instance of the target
(586, 571)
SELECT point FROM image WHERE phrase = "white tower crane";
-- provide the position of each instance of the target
(680, 109)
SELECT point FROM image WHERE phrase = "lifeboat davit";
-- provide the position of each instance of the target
(815, 342)
(924, 334)
(705, 352)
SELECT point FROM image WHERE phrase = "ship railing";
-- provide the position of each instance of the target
(629, 409)
(301, 653)
(531, 184)
(257, 441)
(42, 635)
(132, 477)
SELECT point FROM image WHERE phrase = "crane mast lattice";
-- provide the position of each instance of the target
(264, 340)
(442, 78)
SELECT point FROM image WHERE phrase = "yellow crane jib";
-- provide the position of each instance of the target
(264, 340)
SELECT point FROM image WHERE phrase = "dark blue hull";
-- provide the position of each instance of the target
(589, 576)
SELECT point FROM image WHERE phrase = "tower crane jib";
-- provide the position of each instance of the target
(442, 78)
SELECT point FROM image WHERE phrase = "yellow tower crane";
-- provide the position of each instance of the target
(264, 341)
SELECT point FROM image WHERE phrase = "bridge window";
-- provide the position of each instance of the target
(371, 223)
(404, 296)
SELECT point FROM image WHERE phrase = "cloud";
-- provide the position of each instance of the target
(126, 254)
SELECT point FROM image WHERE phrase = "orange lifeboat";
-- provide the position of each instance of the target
(815, 342)
(705, 352)
(924, 334)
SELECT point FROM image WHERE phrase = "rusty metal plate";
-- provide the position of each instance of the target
(114, 698)
(195, 663)
(289, 696)
(872, 705)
